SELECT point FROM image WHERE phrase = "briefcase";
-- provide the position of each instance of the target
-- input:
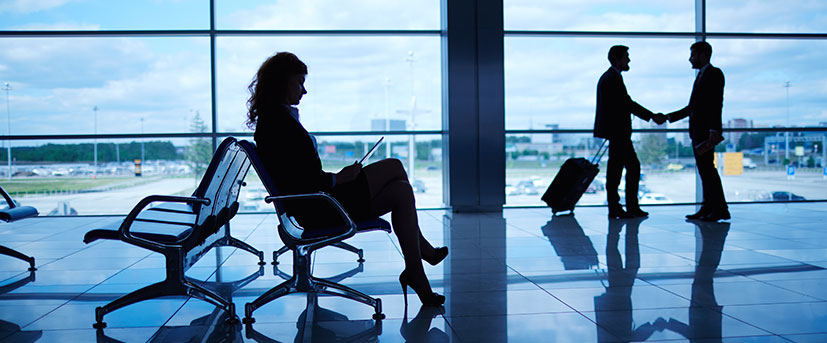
(571, 181)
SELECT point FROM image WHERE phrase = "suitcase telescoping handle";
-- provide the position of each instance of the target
(600, 152)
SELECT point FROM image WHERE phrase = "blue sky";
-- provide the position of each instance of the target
(165, 80)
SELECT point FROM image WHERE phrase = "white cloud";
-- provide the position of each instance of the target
(30, 6)
(63, 26)
(327, 14)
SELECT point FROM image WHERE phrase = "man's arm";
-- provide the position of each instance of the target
(640, 111)
(678, 115)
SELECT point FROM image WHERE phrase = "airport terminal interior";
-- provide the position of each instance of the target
(104, 104)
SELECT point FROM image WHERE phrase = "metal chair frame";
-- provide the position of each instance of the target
(291, 233)
(207, 214)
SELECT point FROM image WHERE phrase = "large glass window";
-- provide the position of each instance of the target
(327, 15)
(105, 85)
(601, 15)
(110, 117)
(551, 76)
(94, 15)
(551, 82)
(354, 83)
(776, 16)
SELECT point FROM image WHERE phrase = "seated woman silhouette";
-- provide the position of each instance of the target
(289, 155)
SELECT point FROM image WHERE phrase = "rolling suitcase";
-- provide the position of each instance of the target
(571, 182)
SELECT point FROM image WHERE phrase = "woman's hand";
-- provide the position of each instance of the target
(349, 173)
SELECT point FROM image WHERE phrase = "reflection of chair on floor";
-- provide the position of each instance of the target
(17, 284)
(11, 213)
(10, 332)
(210, 328)
(304, 243)
(317, 324)
(183, 229)
(571, 244)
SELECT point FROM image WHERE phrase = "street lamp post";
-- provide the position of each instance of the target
(95, 164)
(7, 88)
(142, 140)
(411, 138)
(387, 116)
(787, 133)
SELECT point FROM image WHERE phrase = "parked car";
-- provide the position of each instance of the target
(595, 186)
(782, 196)
(418, 186)
(511, 190)
(527, 187)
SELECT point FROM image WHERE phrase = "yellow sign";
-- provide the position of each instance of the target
(733, 163)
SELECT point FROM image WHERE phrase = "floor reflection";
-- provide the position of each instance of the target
(570, 243)
(319, 324)
(419, 329)
(517, 276)
(705, 315)
(614, 307)
(218, 326)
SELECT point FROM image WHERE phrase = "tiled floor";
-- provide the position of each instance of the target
(519, 276)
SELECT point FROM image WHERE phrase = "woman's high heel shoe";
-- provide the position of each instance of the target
(439, 255)
(427, 297)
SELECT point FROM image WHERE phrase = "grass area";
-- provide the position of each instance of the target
(66, 184)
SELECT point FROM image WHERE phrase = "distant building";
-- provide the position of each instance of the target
(547, 138)
(393, 124)
(737, 123)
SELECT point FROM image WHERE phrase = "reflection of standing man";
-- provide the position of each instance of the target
(704, 112)
(613, 309)
(705, 318)
(613, 122)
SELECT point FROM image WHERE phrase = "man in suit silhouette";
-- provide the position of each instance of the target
(613, 122)
(704, 112)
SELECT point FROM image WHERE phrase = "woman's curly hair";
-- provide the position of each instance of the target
(269, 87)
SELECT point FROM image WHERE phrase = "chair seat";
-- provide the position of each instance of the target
(362, 226)
(156, 232)
(17, 213)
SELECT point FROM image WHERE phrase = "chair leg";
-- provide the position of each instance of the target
(348, 247)
(155, 290)
(278, 253)
(235, 242)
(274, 293)
(350, 293)
(16, 254)
(198, 291)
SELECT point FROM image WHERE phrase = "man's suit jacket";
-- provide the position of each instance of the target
(614, 106)
(288, 154)
(705, 104)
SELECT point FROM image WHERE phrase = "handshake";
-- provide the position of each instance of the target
(659, 118)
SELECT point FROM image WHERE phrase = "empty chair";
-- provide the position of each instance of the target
(14, 212)
(184, 229)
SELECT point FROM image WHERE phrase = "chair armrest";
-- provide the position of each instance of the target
(124, 229)
(6, 196)
(335, 204)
